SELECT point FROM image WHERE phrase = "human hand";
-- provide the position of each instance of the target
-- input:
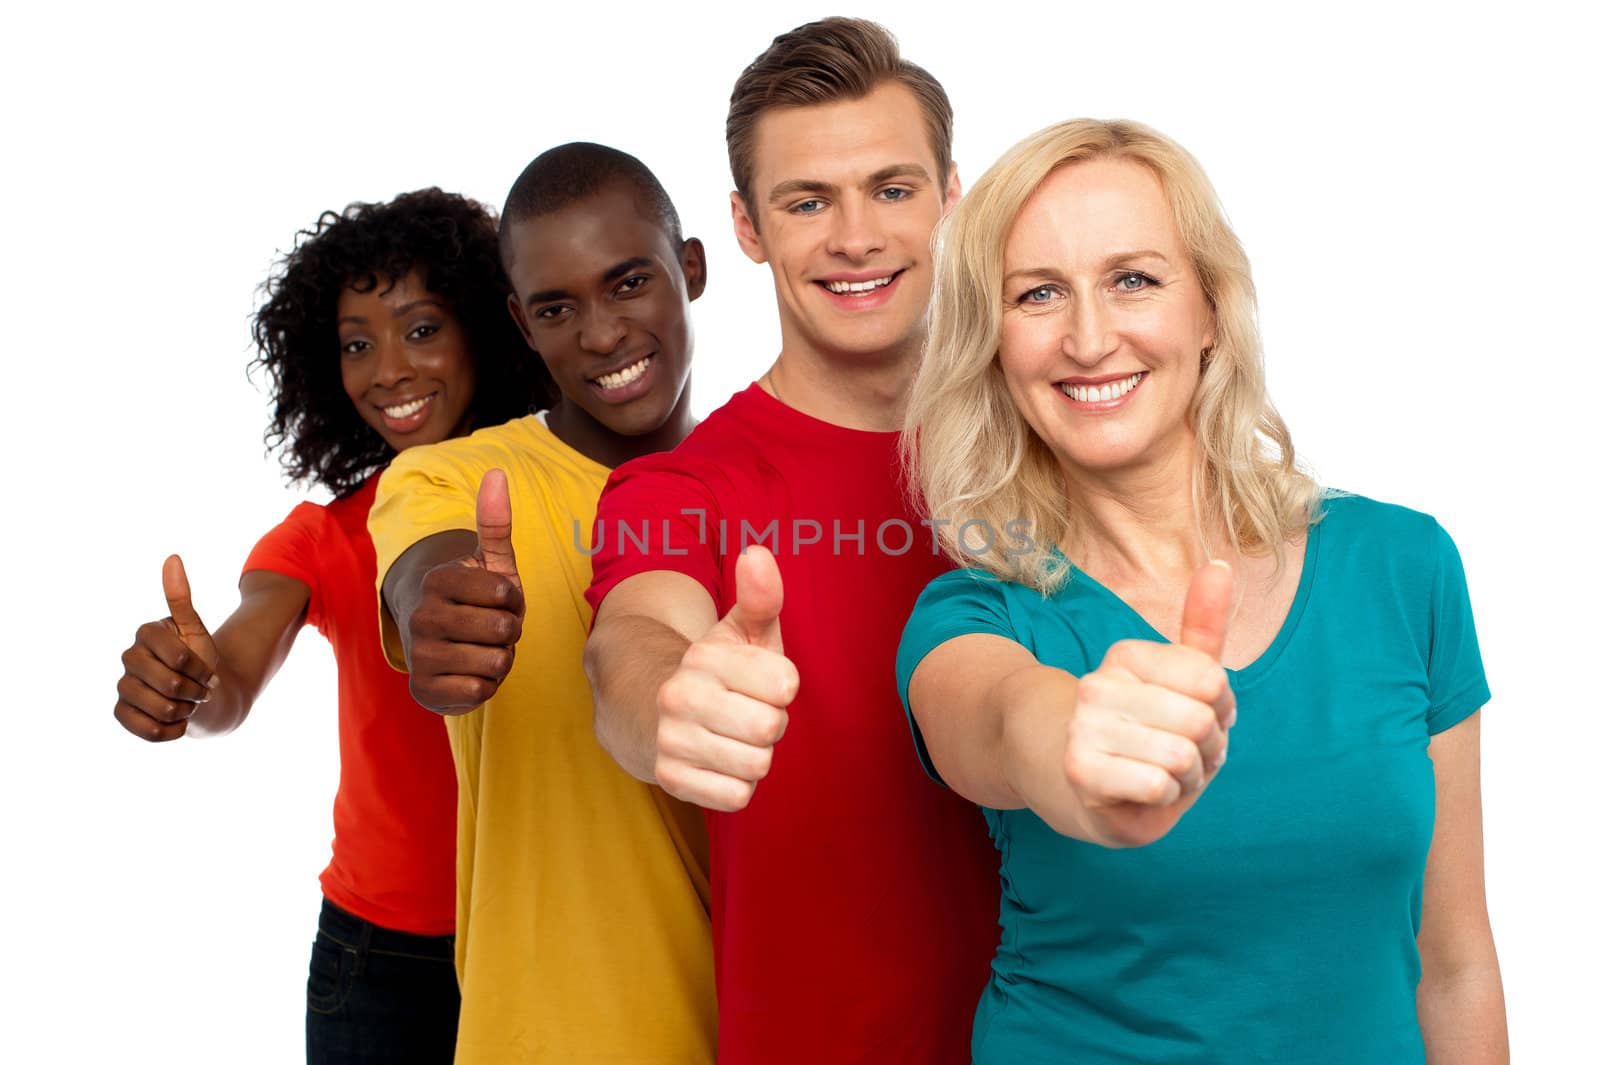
(171, 667)
(725, 708)
(464, 631)
(1149, 727)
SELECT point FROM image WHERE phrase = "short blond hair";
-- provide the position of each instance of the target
(973, 458)
(832, 59)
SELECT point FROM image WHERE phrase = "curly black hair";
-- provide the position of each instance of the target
(453, 242)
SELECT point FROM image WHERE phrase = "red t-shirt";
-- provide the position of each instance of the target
(394, 817)
(854, 902)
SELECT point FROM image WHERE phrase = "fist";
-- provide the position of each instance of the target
(464, 631)
(722, 712)
(1149, 728)
(171, 667)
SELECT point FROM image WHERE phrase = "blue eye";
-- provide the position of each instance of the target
(1042, 294)
(1135, 282)
(807, 207)
(895, 194)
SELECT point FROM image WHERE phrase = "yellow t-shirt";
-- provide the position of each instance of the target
(582, 932)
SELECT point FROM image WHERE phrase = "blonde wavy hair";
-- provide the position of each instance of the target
(970, 455)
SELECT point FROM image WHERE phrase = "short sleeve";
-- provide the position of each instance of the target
(290, 549)
(1456, 683)
(962, 602)
(424, 491)
(651, 518)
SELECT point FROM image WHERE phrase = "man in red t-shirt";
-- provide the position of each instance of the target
(854, 904)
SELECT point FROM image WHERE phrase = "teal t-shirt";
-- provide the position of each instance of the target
(1277, 922)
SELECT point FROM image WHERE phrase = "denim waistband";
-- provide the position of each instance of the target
(357, 933)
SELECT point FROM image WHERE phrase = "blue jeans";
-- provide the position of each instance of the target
(377, 995)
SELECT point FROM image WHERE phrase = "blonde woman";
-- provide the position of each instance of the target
(1213, 714)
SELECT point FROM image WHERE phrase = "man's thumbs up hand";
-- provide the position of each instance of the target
(465, 627)
(722, 712)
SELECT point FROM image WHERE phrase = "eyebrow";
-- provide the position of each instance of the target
(403, 309)
(1110, 260)
(624, 267)
(784, 189)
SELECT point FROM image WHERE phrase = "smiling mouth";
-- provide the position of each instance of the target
(406, 410)
(625, 376)
(859, 288)
(1101, 393)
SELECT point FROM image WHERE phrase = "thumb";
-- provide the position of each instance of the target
(494, 525)
(1208, 608)
(758, 592)
(175, 583)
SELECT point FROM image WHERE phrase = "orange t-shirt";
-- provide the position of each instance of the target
(394, 817)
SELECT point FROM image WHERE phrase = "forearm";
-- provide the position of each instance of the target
(627, 659)
(402, 584)
(226, 707)
(251, 646)
(1032, 705)
(1463, 1015)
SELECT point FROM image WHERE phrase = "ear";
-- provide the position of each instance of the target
(744, 229)
(693, 260)
(952, 187)
(520, 316)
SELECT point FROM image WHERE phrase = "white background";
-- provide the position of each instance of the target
(1416, 189)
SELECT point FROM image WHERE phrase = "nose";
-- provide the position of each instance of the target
(601, 331)
(393, 363)
(1089, 336)
(857, 233)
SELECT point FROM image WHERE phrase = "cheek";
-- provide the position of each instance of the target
(355, 375)
(453, 365)
(1027, 345)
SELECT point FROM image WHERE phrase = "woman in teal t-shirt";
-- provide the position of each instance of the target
(1214, 787)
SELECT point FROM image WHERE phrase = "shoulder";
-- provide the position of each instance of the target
(524, 448)
(1384, 545)
(1358, 519)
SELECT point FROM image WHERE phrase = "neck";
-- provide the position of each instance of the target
(851, 390)
(1140, 521)
(576, 428)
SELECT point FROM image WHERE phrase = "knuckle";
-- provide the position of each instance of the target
(1119, 653)
(788, 683)
(700, 657)
(1197, 724)
(670, 776)
(769, 729)
(1094, 688)
(672, 698)
(740, 794)
(760, 765)
(1076, 766)
(1153, 789)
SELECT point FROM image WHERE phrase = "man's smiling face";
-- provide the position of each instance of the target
(845, 197)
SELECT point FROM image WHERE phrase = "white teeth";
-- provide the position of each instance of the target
(406, 410)
(1101, 393)
(855, 288)
(626, 375)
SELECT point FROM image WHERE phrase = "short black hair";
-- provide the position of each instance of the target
(564, 175)
(451, 241)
